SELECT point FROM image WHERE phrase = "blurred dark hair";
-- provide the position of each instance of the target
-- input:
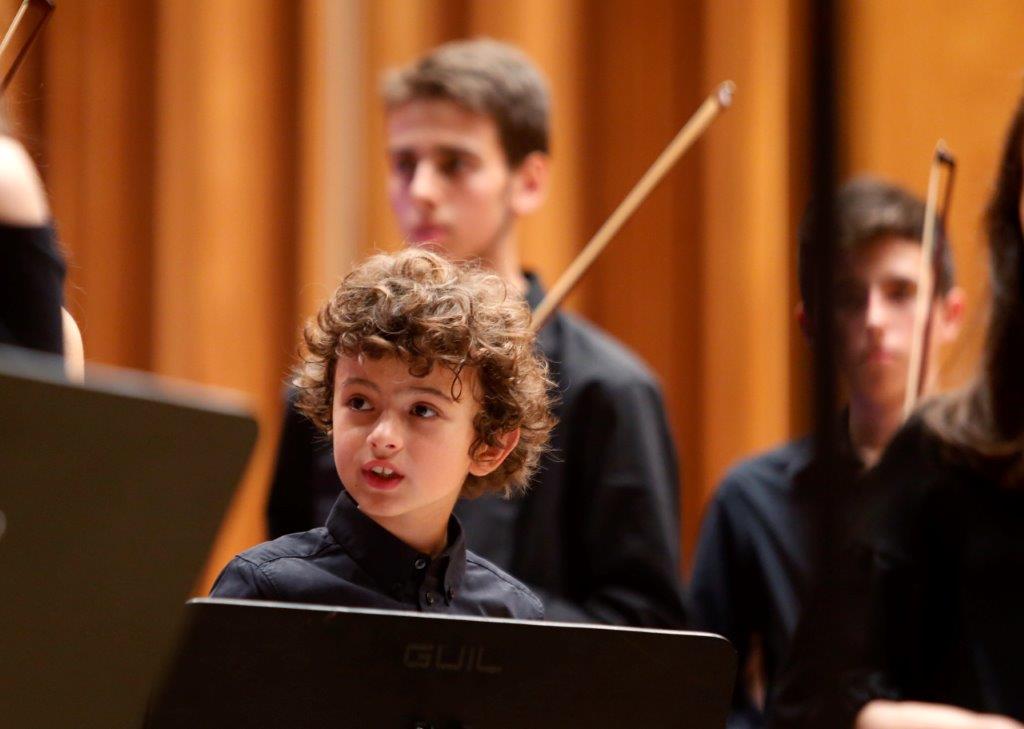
(985, 422)
(484, 76)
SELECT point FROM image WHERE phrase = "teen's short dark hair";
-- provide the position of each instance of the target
(486, 77)
(867, 209)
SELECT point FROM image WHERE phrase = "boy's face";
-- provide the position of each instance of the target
(401, 443)
(875, 299)
(449, 181)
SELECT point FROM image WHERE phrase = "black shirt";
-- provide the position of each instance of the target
(31, 288)
(932, 588)
(753, 560)
(355, 562)
(597, 536)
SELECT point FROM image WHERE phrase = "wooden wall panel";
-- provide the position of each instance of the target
(747, 322)
(226, 175)
(99, 166)
(643, 80)
(332, 150)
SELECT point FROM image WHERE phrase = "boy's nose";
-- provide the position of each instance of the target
(424, 186)
(385, 438)
(875, 313)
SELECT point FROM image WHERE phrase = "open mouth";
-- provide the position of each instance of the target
(382, 477)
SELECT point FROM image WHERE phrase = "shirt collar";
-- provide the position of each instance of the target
(396, 567)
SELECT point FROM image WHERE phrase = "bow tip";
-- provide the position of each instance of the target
(724, 93)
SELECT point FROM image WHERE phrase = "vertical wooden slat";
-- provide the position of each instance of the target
(99, 124)
(643, 81)
(332, 149)
(748, 236)
(226, 178)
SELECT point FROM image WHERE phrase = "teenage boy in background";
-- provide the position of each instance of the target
(597, 534)
(753, 554)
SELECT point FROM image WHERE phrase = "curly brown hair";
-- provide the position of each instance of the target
(427, 311)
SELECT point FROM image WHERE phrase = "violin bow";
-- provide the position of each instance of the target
(12, 51)
(718, 100)
(924, 304)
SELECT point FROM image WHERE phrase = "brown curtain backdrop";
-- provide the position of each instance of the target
(214, 167)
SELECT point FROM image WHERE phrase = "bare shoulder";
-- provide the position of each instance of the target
(22, 199)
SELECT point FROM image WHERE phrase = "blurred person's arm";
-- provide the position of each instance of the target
(74, 351)
(22, 199)
(882, 714)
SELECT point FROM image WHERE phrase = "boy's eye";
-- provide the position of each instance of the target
(901, 291)
(451, 165)
(421, 410)
(404, 165)
(358, 403)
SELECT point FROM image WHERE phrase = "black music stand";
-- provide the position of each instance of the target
(111, 495)
(262, 665)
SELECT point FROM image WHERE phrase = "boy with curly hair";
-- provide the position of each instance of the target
(597, 536)
(424, 374)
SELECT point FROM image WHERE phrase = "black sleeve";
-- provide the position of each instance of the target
(290, 503)
(31, 288)
(721, 589)
(627, 509)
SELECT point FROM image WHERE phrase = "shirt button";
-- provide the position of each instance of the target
(421, 563)
(430, 598)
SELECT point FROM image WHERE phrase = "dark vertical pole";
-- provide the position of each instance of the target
(822, 173)
(828, 473)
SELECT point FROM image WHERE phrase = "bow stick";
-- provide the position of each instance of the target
(720, 99)
(925, 301)
(42, 8)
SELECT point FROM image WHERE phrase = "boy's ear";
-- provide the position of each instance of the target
(950, 314)
(487, 458)
(529, 183)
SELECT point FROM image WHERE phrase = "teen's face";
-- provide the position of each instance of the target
(875, 299)
(449, 180)
(402, 443)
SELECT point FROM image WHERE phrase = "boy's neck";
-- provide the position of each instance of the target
(871, 427)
